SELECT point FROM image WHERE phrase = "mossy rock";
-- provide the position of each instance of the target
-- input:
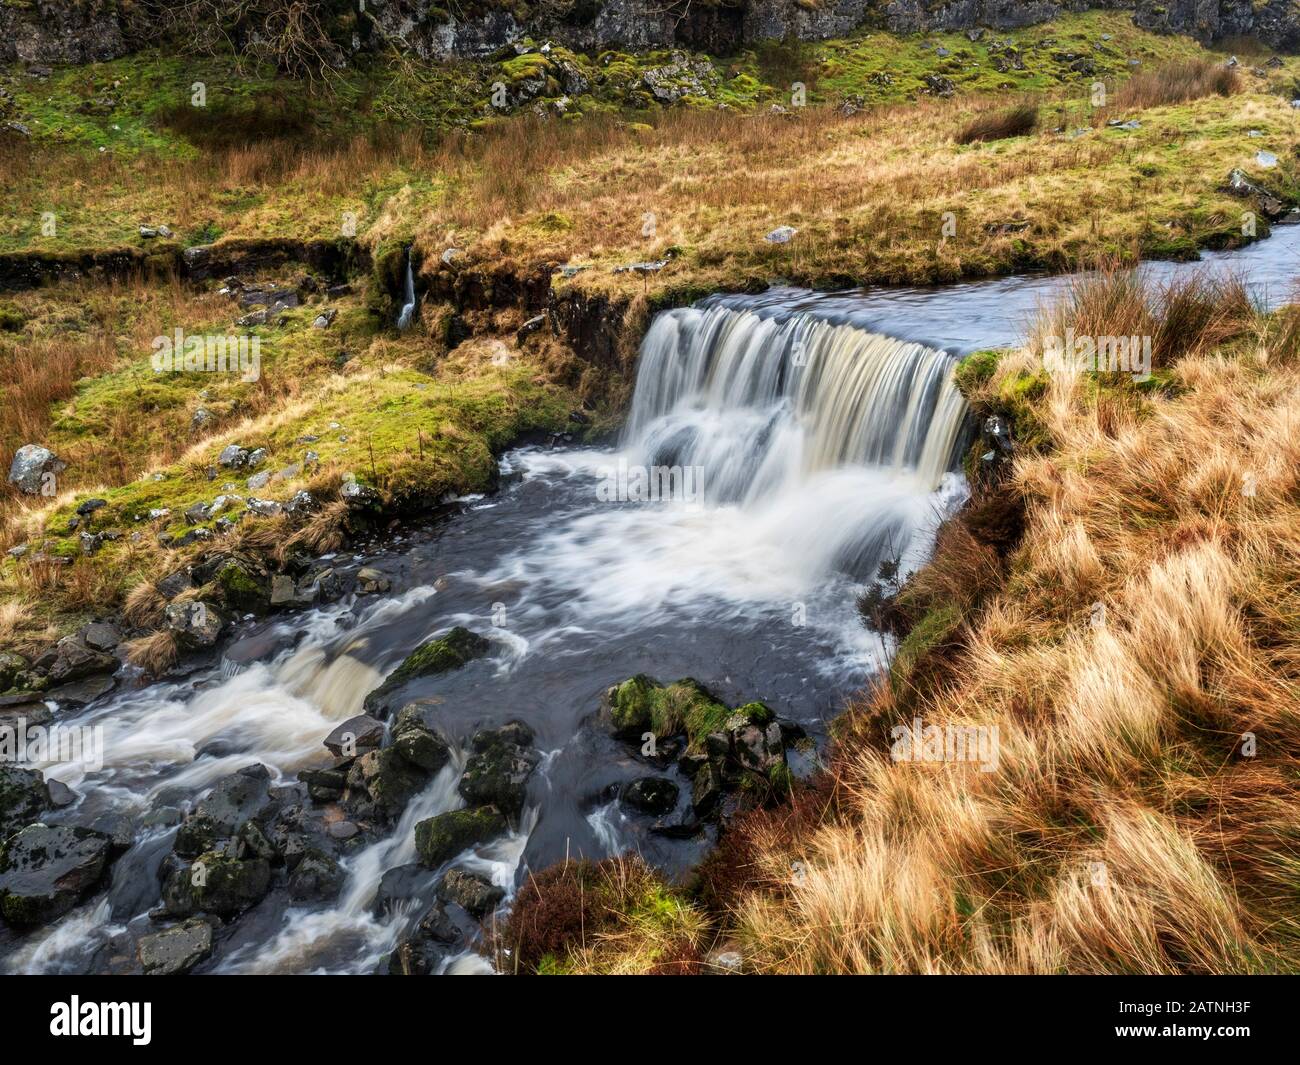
(640, 704)
(217, 883)
(441, 838)
(442, 655)
(242, 587)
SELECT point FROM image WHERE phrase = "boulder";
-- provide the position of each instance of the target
(45, 870)
(418, 743)
(32, 467)
(196, 624)
(355, 736)
(474, 894)
(232, 801)
(497, 771)
(70, 659)
(448, 652)
(216, 883)
(316, 878)
(382, 782)
(177, 950)
(441, 838)
(650, 795)
(24, 796)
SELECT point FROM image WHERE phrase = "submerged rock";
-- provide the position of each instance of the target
(448, 652)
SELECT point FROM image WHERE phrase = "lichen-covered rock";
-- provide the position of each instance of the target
(441, 838)
(70, 659)
(381, 783)
(316, 878)
(496, 773)
(33, 467)
(417, 742)
(474, 894)
(197, 624)
(176, 950)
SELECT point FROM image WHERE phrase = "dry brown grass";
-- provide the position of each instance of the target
(1127, 828)
(153, 653)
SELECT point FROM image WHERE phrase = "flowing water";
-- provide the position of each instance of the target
(408, 295)
(801, 438)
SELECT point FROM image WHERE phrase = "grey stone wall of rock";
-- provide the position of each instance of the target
(80, 31)
(63, 31)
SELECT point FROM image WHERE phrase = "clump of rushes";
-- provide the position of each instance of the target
(154, 653)
(1014, 121)
(1177, 82)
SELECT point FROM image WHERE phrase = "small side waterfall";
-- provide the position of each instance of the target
(408, 295)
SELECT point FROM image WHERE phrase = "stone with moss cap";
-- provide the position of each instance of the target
(641, 704)
(445, 836)
(447, 652)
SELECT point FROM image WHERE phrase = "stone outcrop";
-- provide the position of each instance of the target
(83, 31)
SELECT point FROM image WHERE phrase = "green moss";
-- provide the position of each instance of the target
(443, 837)
(933, 630)
(975, 371)
(641, 704)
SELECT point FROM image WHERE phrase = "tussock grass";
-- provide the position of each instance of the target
(1014, 121)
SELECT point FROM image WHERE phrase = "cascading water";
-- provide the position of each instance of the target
(823, 449)
(408, 295)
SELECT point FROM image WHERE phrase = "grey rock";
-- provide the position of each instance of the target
(32, 466)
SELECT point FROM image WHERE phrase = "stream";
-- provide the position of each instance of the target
(825, 435)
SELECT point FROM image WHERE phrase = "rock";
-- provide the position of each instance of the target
(197, 624)
(197, 513)
(232, 457)
(474, 894)
(33, 469)
(443, 837)
(201, 419)
(264, 508)
(24, 796)
(243, 585)
(650, 795)
(358, 496)
(382, 782)
(101, 636)
(216, 883)
(355, 736)
(416, 740)
(233, 800)
(419, 952)
(60, 794)
(316, 878)
(177, 950)
(79, 693)
(447, 652)
(89, 507)
(706, 790)
(781, 235)
(529, 327)
(11, 664)
(70, 659)
(342, 830)
(497, 771)
(325, 319)
(371, 581)
(46, 870)
(174, 583)
(324, 785)
(259, 481)
(400, 884)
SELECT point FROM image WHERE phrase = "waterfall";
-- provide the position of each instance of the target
(408, 295)
(829, 437)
